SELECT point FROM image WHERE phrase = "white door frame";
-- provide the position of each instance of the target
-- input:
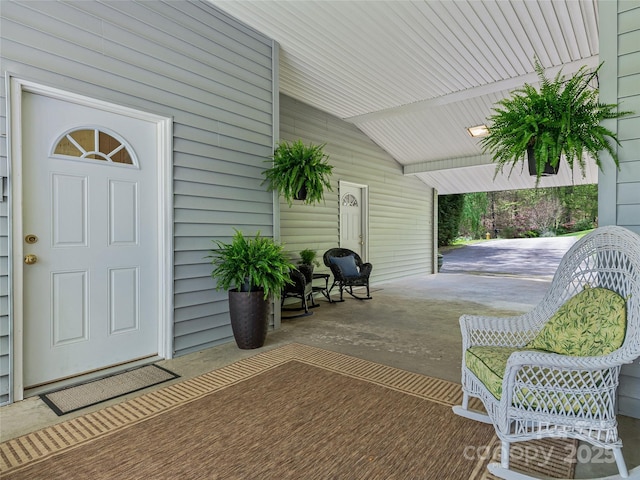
(164, 130)
(365, 213)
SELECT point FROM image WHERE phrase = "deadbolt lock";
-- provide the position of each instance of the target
(31, 238)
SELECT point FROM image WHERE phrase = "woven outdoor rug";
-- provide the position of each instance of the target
(77, 397)
(295, 412)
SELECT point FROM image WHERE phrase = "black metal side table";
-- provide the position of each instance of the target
(324, 290)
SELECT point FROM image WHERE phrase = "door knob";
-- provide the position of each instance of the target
(30, 259)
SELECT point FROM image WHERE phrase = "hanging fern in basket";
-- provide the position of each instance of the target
(562, 118)
(299, 168)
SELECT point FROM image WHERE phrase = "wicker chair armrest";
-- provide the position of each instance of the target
(365, 269)
(514, 331)
(307, 271)
(299, 282)
(537, 358)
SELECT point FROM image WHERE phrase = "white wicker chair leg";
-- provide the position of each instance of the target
(465, 400)
(504, 454)
(622, 466)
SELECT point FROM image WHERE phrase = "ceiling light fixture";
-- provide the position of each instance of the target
(478, 131)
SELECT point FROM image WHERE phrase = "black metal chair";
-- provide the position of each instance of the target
(300, 288)
(348, 271)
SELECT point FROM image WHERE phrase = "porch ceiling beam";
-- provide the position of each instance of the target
(446, 164)
(499, 86)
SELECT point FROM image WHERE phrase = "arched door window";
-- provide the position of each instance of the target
(94, 144)
(349, 201)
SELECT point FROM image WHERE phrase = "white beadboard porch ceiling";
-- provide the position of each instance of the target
(413, 75)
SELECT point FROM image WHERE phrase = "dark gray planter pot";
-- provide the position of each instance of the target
(548, 169)
(249, 313)
(302, 193)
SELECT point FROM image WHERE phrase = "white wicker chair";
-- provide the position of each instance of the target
(608, 257)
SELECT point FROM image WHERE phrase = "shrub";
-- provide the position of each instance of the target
(584, 224)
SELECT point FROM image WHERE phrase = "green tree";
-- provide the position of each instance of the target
(474, 212)
(449, 214)
(580, 203)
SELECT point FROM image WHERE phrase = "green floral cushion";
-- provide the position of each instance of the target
(489, 364)
(592, 323)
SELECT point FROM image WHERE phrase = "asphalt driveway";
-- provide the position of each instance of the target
(530, 257)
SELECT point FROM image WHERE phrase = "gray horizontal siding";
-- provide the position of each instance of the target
(183, 59)
(620, 194)
(5, 340)
(400, 207)
(628, 182)
(629, 391)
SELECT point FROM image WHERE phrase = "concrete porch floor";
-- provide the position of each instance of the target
(410, 324)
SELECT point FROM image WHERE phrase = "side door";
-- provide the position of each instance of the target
(90, 218)
(353, 218)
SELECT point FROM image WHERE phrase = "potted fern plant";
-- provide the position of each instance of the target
(299, 172)
(308, 257)
(560, 119)
(307, 263)
(252, 269)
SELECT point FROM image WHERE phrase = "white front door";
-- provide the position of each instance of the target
(352, 218)
(90, 219)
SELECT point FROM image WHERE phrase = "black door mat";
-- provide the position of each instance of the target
(77, 397)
